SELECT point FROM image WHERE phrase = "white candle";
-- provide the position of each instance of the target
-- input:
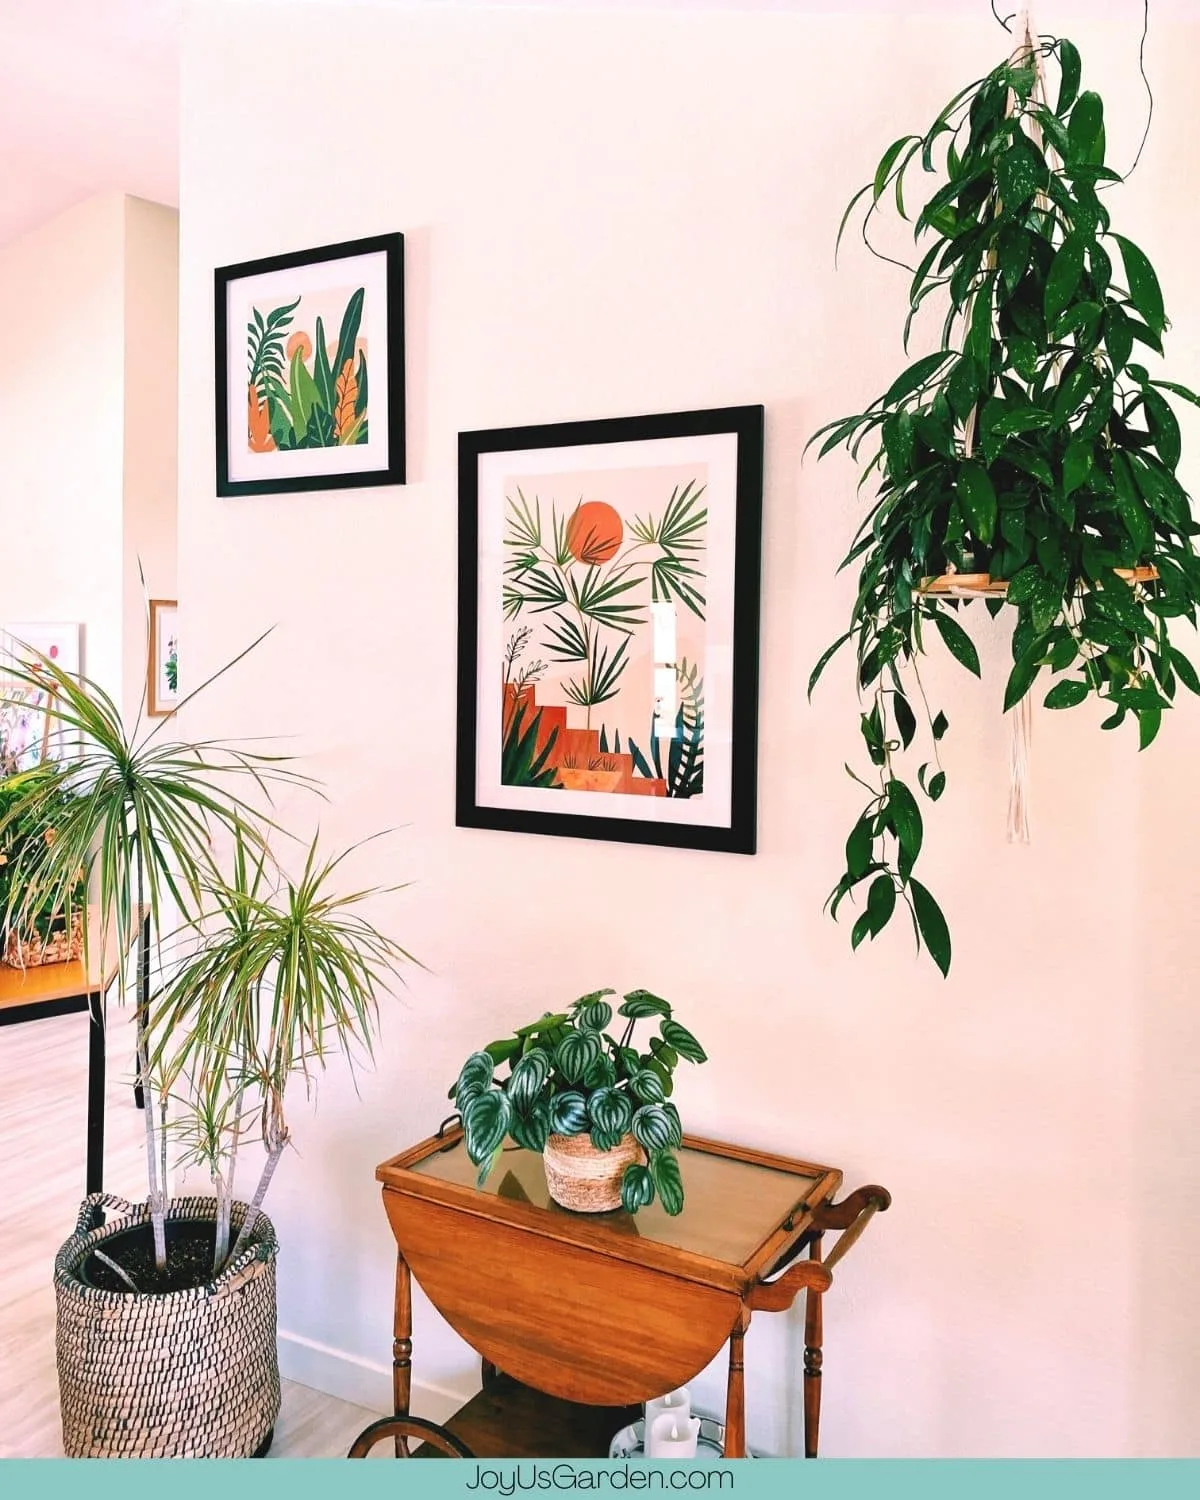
(673, 1436)
(678, 1403)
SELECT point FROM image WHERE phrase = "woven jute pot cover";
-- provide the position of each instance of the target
(582, 1178)
(191, 1374)
(61, 947)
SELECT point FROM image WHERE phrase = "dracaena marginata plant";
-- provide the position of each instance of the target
(1031, 446)
(261, 975)
(281, 973)
(567, 1075)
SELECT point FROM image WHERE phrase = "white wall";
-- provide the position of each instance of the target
(89, 305)
(615, 213)
(151, 425)
(62, 309)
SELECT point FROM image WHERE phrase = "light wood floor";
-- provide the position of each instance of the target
(43, 1115)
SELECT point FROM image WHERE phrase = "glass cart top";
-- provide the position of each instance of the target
(730, 1208)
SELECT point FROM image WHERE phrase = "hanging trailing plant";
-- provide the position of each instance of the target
(1031, 449)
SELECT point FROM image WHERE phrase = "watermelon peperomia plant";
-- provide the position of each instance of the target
(1029, 447)
(568, 1076)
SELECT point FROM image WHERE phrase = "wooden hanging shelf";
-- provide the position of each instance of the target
(984, 586)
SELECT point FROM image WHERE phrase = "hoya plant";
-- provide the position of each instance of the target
(568, 1075)
(1033, 448)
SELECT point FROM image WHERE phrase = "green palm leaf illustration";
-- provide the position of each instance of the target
(566, 642)
(672, 577)
(524, 524)
(600, 597)
(543, 590)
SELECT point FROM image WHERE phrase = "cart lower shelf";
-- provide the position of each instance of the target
(509, 1420)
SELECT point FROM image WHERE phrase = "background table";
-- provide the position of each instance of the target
(587, 1315)
(62, 990)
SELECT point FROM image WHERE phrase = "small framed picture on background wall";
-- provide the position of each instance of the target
(310, 369)
(162, 688)
(608, 628)
(26, 723)
(29, 731)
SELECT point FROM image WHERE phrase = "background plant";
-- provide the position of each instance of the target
(25, 838)
(567, 1075)
(1030, 446)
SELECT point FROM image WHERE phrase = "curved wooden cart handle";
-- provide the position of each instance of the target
(851, 1215)
(778, 1295)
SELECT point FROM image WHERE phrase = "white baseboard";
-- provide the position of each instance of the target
(359, 1381)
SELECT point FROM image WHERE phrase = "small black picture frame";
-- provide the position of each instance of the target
(608, 629)
(306, 421)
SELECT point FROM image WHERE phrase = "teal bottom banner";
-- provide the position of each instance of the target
(481, 1479)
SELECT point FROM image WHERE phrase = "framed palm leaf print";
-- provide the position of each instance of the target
(608, 628)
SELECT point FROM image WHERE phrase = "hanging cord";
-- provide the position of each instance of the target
(1146, 81)
(1023, 15)
(1020, 762)
(1020, 744)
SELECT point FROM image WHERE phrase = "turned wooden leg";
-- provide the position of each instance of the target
(735, 1401)
(402, 1349)
(812, 1361)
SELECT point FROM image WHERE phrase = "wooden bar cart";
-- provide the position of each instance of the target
(578, 1318)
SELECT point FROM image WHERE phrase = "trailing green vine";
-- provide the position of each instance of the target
(1030, 446)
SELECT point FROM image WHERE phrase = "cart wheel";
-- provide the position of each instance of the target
(403, 1428)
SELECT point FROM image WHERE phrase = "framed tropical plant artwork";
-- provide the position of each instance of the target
(608, 628)
(310, 369)
(162, 682)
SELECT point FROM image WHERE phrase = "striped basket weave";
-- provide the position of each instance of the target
(586, 1180)
(190, 1374)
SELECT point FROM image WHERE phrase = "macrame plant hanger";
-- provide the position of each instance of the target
(1020, 744)
(955, 585)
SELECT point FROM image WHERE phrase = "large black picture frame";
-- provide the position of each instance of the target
(735, 832)
(391, 468)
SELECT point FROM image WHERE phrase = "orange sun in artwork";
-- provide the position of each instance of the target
(594, 532)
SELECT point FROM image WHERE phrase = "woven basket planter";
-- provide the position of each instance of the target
(189, 1374)
(581, 1178)
(61, 947)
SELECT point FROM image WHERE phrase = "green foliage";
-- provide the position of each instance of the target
(521, 763)
(281, 972)
(674, 574)
(567, 1075)
(134, 811)
(31, 806)
(301, 403)
(1030, 447)
(264, 344)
